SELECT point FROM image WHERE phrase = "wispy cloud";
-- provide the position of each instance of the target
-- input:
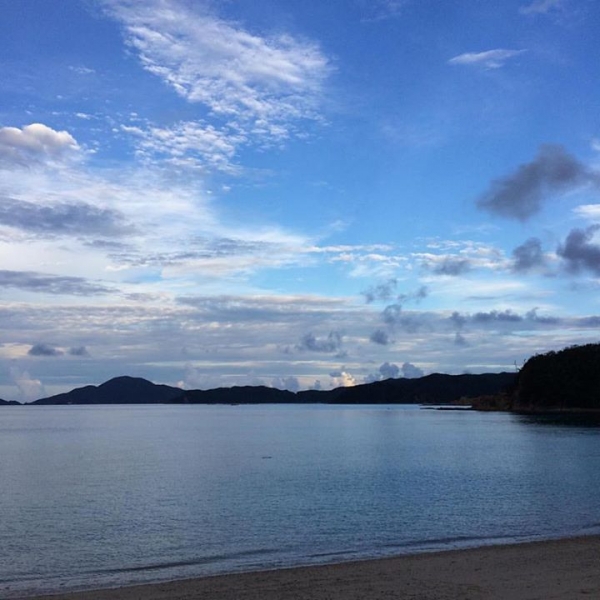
(65, 218)
(380, 10)
(588, 211)
(538, 7)
(452, 259)
(490, 59)
(51, 284)
(260, 86)
(223, 256)
(190, 144)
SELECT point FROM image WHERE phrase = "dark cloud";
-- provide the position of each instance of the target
(391, 314)
(416, 296)
(370, 378)
(528, 256)
(79, 351)
(452, 266)
(386, 371)
(579, 252)
(593, 321)
(389, 371)
(395, 318)
(44, 350)
(410, 371)
(331, 343)
(460, 340)
(520, 195)
(383, 291)
(532, 315)
(413, 322)
(63, 219)
(495, 316)
(51, 284)
(459, 320)
(380, 337)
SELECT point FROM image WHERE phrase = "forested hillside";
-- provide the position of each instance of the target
(567, 379)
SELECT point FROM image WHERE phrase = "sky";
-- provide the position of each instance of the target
(301, 195)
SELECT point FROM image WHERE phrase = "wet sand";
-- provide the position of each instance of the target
(552, 570)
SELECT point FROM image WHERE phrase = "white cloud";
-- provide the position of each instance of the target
(34, 143)
(380, 10)
(341, 378)
(28, 388)
(588, 211)
(540, 7)
(190, 144)
(490, 59)
(81, 70)
(289, 383)
(260, 85)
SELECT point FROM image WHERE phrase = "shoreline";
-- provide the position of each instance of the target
(558, 569)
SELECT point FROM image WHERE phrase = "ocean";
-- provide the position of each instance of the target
(94, 496)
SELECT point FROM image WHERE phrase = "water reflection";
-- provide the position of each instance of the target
(581, 420)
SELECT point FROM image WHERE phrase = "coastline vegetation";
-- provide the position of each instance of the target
(567, 380)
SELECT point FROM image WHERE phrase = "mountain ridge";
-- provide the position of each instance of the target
(436, 388)
(564, 380)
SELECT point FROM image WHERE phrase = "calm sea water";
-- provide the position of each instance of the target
(103, 496)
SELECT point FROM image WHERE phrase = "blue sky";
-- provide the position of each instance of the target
(299, 195)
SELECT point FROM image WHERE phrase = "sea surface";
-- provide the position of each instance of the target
(96, 496)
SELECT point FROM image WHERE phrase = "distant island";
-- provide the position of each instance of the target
(567, 380)
(430, 389)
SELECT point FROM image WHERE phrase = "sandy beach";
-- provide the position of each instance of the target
(550, 570)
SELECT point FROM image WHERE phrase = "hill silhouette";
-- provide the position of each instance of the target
(120, 390)
(436, 388)
(565, 380)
